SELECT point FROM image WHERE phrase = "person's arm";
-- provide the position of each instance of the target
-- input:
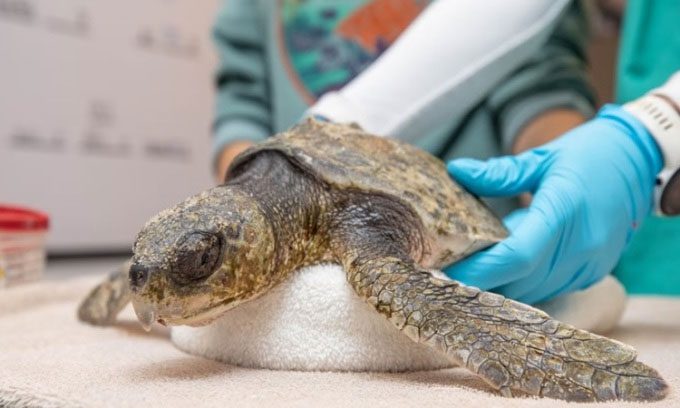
(228, 154)
(242, 114)
(551, 92)
(444, 63)
(542, 129)
(592, 189)
(545, 127)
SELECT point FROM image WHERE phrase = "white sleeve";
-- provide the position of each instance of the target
(659, 111)
(444, 63)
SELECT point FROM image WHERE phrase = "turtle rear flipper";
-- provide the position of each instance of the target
(106, 300)
(514, 347)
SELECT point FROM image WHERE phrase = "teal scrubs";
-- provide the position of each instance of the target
(649, 54)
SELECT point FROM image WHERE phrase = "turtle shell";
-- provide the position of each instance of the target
(346, 157)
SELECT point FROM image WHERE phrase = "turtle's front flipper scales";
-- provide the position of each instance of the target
(515, 348)
(104, 302)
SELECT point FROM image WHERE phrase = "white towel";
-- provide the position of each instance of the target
(315, 321)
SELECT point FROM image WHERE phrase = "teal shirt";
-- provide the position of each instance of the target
(649, 53)
(650, 47)
(277, 57)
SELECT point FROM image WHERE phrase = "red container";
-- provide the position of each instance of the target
(22, 244)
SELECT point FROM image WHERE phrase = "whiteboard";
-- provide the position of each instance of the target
(105, 112)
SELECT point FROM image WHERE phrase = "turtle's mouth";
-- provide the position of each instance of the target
(147, 315)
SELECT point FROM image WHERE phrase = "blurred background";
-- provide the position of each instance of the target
(105, 113)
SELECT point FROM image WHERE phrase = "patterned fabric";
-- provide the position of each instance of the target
(330, 42)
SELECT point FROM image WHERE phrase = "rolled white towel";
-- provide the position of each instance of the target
(315, 321)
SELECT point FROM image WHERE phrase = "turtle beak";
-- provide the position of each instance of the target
(138, 277)
(145, 314)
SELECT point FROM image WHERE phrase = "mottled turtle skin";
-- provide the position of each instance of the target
(389, 214)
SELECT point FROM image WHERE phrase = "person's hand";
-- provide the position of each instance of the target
(592, 187)
(227, 156)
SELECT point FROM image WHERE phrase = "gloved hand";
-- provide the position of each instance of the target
(592, 187)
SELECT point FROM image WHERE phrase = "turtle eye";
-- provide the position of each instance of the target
(198, 256)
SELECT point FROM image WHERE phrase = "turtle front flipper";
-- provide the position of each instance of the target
(514, 347)
(106, 300)
(517, 349)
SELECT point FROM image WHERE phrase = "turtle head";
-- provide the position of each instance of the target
(196, 260)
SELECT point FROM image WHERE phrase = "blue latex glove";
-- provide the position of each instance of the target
(592, 187)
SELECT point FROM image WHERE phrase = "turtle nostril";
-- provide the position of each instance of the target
(138, 276)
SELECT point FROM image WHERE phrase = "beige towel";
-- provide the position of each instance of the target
(49, 359)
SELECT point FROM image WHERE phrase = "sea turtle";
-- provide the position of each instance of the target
(389, 214)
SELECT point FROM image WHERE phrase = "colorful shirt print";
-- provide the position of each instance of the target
(329, 42)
